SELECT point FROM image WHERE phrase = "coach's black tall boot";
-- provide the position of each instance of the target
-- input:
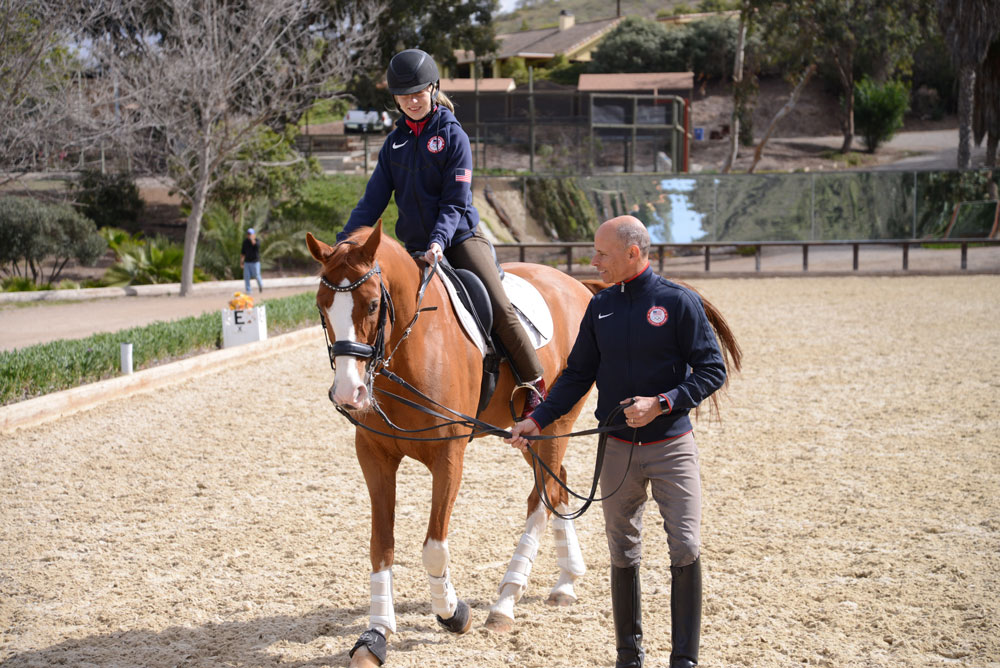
(626, 605)
(685, 614)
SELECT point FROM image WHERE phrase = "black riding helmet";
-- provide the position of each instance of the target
(411, 71)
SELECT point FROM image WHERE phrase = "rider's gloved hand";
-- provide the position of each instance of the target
(434, 252)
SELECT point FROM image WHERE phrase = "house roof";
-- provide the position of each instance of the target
(489, 85)
(651, 81)
(547, 42)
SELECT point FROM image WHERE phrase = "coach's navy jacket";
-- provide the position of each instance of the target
(642, 337)
(432, 178)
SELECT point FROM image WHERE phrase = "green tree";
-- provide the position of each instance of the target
(879, 110)
(439, 27)
(846, 39)
(710, 46)
(638, 45)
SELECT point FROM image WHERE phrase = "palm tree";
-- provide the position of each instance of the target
(968, 26)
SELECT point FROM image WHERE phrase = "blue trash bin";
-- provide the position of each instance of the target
(699, 134)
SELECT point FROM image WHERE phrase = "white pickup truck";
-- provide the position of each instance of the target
(359, 120)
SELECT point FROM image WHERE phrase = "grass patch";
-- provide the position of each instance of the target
(849, 159)
(58, 365)
(327, 202)
(951, 245)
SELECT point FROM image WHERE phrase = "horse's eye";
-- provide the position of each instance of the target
(373, 306)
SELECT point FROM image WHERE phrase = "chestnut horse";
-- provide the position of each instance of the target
(368, 297)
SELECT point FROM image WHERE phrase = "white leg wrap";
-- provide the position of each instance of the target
(520, 564)
(443, 598)
(570, 559)
(381, 614)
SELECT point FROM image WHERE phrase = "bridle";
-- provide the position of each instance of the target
(375, 352)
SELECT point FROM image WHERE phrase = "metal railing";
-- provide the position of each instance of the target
(659, 253)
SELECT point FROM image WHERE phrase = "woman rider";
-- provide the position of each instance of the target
(426, 160)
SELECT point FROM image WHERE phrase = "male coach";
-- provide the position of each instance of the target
(649, 346)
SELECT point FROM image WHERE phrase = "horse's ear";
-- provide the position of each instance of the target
(319, 250)
(371, 245)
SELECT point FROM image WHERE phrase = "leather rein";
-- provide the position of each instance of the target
(377, 363)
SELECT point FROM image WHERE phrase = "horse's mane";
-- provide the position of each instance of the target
(345, 252)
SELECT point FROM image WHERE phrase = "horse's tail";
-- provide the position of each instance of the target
(732, 354)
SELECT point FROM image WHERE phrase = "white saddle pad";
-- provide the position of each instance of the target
(532, 311)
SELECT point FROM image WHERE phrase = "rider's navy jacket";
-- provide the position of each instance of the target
(432, 178)
(642, 337)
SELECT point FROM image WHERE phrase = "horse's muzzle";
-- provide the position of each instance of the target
(355, 400)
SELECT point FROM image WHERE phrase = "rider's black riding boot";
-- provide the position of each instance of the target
(685, 614)
(627, 608)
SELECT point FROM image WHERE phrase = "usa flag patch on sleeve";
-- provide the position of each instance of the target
(463, 175)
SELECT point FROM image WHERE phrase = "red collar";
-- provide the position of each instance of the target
(637, 275)
(418, 126)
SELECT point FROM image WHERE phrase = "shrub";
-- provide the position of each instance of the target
(33, 232)
(144, 261)
(110, 200)
(637, 44)
(879, 110)
(58, 365)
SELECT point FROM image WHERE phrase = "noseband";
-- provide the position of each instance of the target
(374, 353)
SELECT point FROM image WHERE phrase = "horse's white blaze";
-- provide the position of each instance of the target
(348, 387)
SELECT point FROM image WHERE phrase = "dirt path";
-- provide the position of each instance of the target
(26, 324)
(851, 515)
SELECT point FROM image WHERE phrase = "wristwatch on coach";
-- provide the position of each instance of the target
(664, 404)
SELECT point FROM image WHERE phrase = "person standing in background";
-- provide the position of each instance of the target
(250, 260)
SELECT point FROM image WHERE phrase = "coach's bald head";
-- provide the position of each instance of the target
(621, 248)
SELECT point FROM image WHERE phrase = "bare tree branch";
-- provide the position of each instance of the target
(784, 111)
(41, 91)
(212, 73)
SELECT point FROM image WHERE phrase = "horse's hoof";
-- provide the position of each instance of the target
(364, 659)
(369, 651)
(460, 622)
(560, 599)
(499, 623)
